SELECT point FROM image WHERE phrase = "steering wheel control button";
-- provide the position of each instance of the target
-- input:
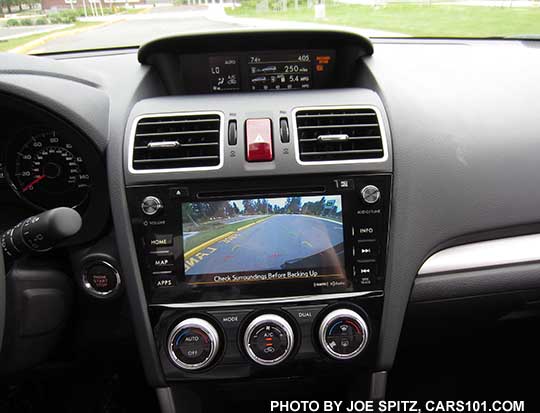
(371, 194)
(343, 334)
(269, 340)
(101, 279)
(193, 344)
(151, 205)
(259, 140)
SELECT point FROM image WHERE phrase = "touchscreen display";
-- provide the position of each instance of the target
(264, 240)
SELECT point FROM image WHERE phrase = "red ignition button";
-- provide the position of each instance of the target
(259, 140)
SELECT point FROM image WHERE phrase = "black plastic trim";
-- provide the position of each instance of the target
(238, 40)
(128, 258)
(2, 297)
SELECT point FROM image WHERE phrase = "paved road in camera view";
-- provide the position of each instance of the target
(267, 245)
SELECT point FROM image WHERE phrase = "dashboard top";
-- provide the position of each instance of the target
(255, 61)
(224, 41)
(462, 116)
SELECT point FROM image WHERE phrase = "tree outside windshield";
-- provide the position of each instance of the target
(44, 26)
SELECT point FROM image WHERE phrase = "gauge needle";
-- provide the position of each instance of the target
(31, 184)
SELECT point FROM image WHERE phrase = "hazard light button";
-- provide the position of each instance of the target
(259, 140)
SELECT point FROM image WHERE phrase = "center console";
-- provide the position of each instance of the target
(243, 275)
(253, 225)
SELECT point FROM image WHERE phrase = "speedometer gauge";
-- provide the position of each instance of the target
(48, 172)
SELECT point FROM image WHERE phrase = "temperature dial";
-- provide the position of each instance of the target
(269, 339)
(193, 344)
(343, 334)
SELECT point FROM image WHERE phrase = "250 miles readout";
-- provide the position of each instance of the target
(49, 173)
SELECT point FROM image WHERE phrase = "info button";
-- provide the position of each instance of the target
(363, 232)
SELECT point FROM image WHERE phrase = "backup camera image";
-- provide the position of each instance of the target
(263, 239)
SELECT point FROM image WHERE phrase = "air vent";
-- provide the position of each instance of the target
(180, 141)
(338, 135)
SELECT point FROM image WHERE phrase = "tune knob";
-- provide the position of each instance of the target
(371, 194)
(343, 334)
(193, 344)
(269, 339)
(151, 205)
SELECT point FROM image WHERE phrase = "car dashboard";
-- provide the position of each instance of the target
(268, 209)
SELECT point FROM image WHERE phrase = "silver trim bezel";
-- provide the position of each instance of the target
(273, 300)
(91, 290)
(281, 322)
(333, 316)
(484, 254)
(382, 128)
(173, 114)
(207, 328)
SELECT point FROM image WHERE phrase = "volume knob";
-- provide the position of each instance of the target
(151, 205)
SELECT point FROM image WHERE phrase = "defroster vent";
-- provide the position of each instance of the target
(343, 134)
(180, 141)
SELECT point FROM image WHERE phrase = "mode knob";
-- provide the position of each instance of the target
(269, 339)
(193, 344)
(151, 205)
(371, 194)
(343, 334)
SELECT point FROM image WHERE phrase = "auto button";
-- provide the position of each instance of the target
(193, 344)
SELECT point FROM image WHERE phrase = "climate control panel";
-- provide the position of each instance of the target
(240, 342)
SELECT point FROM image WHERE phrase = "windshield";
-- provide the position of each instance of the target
(67, 25)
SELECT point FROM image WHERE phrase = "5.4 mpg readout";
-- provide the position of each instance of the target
(280, 71)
